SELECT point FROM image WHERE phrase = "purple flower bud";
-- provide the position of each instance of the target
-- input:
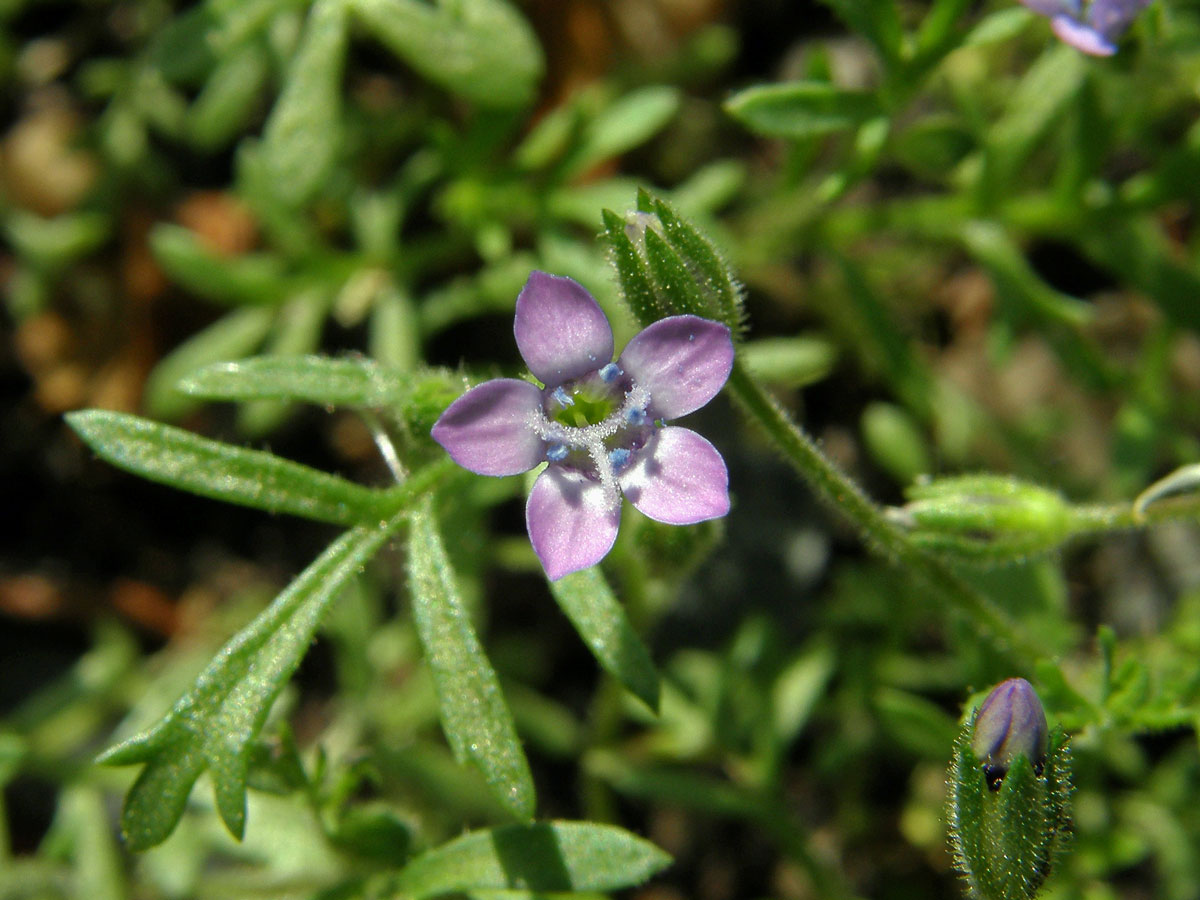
(1010, 723)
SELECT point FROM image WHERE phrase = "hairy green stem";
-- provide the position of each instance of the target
(1099, 518)
(838, 490)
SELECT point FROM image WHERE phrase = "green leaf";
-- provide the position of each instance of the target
(801, 109)
(589, 603)
(304, 132)
(227, 101)
(1034, 109)
(221, 471)
(249, 279)
(297, 331)
(895, 441)
(230, 337)
(323, 380)
(214, 725)
(51, 243)
(474, 716)
(789, 361)
(480, 49)
(542, 857)
(630, 121)
(876, 20)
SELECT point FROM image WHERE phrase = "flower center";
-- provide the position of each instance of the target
(595, 425)
(584, 405)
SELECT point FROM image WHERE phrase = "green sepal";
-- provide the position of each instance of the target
(631, 271)
(986, 518)
(670, 274)
(671, 268)
(712, 272)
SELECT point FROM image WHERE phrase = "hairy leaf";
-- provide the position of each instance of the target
(214, 725)
(546, 856)
(477, 722)
(589, 603)
(210, 468)
(239, 332)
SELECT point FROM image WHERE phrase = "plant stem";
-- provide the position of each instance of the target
(887, 539)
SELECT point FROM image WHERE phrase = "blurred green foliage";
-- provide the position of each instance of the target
(970, 268)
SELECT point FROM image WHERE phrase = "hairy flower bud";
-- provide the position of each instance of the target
(1010, 722)
(1008, 810)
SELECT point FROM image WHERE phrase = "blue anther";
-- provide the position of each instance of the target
(557, 452)
(610, 373)
(635, 416)
(562, 397)
(619, 458)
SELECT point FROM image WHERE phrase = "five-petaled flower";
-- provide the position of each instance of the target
(1095, 32)
(598, 423)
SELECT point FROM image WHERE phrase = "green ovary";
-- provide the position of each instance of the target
(589, 408)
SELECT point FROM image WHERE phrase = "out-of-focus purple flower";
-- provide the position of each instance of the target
(1095, 32)
(599, 423)
(1010, 722)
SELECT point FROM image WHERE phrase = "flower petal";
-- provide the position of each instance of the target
(1082, 37)
(572, 523)
(487, 429)
(682, 361)
(678, 478)
(1110, 18)
(561, 331)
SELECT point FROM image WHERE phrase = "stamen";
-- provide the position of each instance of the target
(610, 373)
(562, 398)
(619, 458)
(635, 416)
(557, 452)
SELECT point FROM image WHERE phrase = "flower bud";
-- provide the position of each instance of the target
(1010, 722)
(1009, 803)
(667, 267)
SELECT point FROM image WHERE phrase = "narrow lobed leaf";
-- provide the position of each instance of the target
(214, 725)
(221, 471)
(541, 857)
(593, 609)
(475, 718)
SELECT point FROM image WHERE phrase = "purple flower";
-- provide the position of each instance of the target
(1010, 722)
(1096, 33)
(598, 423)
